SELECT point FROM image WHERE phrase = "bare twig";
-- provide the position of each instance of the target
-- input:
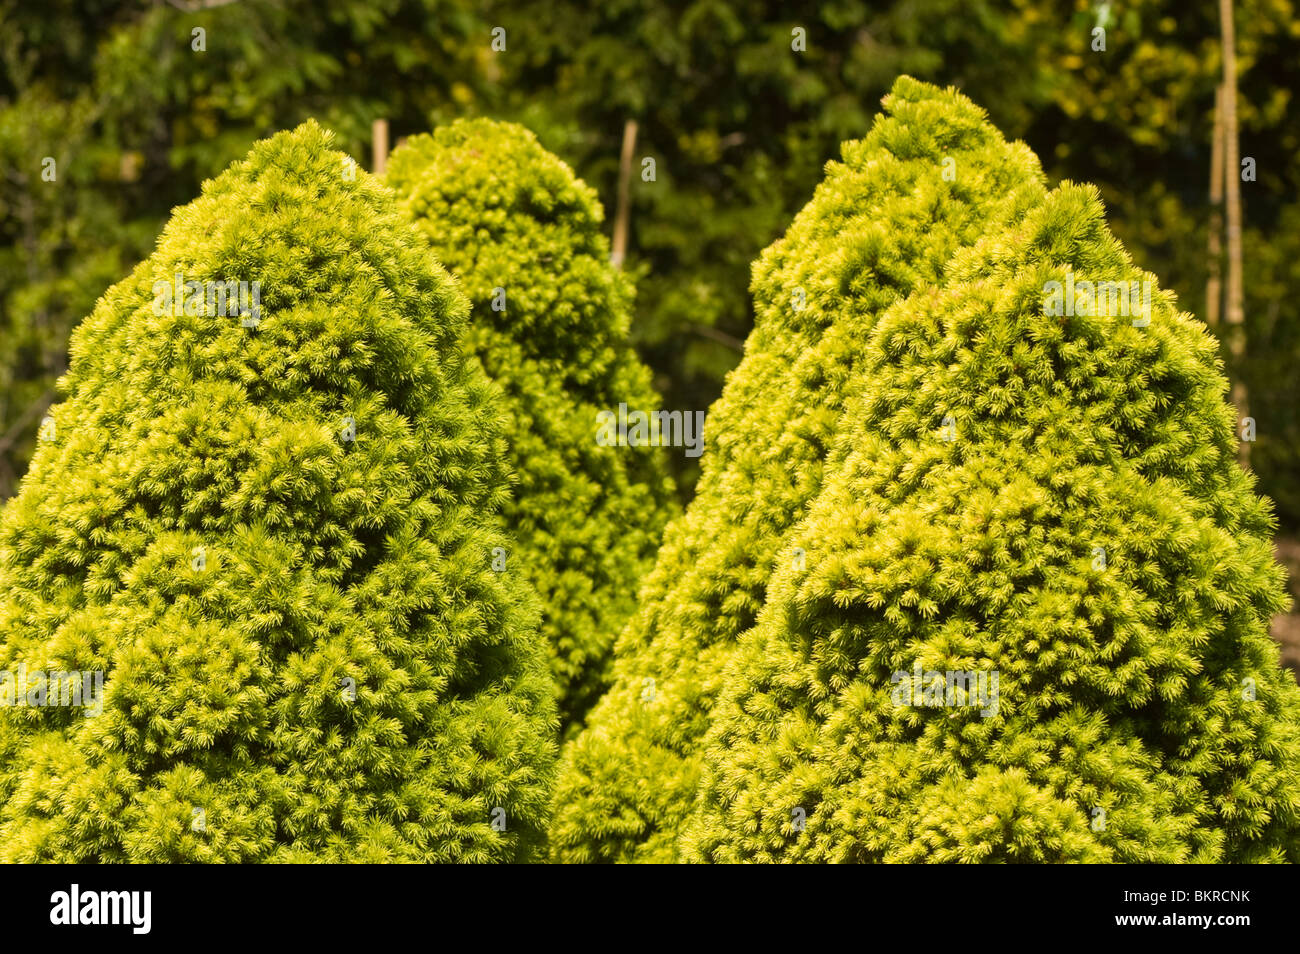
(721, 337)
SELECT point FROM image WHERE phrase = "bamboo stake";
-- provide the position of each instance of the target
(379, 144)
(1214, 252)
(623, 213)
(1234, 308)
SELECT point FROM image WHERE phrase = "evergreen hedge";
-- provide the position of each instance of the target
(273, 534)
(550, 323)
(885, 222)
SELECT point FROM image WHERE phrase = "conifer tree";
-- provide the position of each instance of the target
(931, 178)
(270, 526)
(1040, 491)
(549, 321)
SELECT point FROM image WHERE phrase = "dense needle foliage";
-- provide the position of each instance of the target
(272, 531)
(1030, 622)
(884, 223)
(550, 324)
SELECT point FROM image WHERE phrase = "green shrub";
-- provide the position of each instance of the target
(275, 541)
(550, 324)
(1052, 503)
(885, 223)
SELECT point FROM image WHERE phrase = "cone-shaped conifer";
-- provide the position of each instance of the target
(550, 323)
(931, 178)
(1032, 622)
(265, 513)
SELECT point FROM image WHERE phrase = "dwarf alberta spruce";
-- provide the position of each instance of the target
(1052, 502)
(276, 544)
(883, 225)
(549, 322)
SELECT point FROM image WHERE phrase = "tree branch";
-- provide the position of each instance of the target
(721, 337)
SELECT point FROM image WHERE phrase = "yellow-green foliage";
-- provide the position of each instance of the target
(885, 223)
(550, 325)
(1080, 530)
(307, 655)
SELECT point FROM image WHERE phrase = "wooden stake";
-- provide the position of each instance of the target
(1214, 250)
(623, 212)
(1234, 307)
(379, 145)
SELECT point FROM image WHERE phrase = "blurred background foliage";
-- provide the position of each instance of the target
(739, 125)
